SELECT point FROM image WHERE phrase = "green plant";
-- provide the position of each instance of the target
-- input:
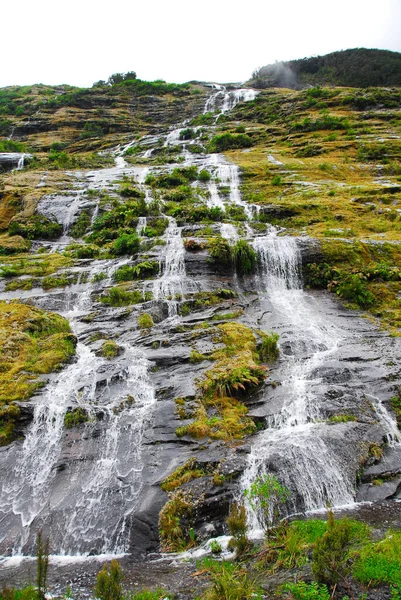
(108, 582)
(215, 547)
(221, 251)
(267, 495)
(42, 557)
(269, 349)
(230, 581)
(145, 321)
(342, 418)
(307, 591)
(245, 258)
(330, 554)
(109, 349)
(237, 526)
(126, 244)
(175, 519)
(75, 417)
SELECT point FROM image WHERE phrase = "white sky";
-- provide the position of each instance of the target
(81, 41)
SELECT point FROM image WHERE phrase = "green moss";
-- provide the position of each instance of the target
(187, 472)
(75, 417)
(109, 349)
(341, 418)
(145, 321)
(32, 342)
(121, 297)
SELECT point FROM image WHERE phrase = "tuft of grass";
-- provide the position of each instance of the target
(187, 472)
(380, 562)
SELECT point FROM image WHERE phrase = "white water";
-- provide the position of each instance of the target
(85, 504)
(312, 470)
(170, 285)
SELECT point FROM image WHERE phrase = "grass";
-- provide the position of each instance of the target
(220, 413)
(380, 562)
(187, 472)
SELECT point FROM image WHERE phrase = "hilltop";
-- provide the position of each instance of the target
(357, 67)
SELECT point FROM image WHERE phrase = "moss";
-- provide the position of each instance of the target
(219, 412)
(36, 265)
(341, 418)
(145, 321)
(109, 349)
(187, 472)
(121, 297)
(75, 417)
(32, 342)
(13, 244)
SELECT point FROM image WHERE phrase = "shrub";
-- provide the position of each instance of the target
(145, 321)
(237, 526)
(126, 244)
(36, 227)
(204, 175)
(268, 495)
(175, 521)
(330, 554)
(108, 582)
(228, 141)
(245, 258)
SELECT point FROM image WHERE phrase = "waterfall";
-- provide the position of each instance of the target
(86, 508)
(170, 285)
(310, 467)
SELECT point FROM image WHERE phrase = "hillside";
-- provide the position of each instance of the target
(358, 67)
(200, 303)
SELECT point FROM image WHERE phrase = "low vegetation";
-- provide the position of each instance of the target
(33, 343)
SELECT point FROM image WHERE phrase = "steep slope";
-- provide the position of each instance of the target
(173, 268)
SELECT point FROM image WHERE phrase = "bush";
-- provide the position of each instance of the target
(108, 582)
(139, 271)
(245, 258)
(354, 289)
(126, 244)
(145, 321)
(329, 559)
(204, 175)
(268, 495)
(229, 141)
(36, 227)
(237, 526)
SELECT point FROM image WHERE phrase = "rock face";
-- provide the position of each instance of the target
(13, 160)
(95, 487)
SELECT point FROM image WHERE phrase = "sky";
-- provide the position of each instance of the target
(79, 42)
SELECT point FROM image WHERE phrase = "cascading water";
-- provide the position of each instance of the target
(170, 285)
(312, 471)
(310, 466)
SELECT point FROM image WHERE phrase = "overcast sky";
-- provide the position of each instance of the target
(81, 41)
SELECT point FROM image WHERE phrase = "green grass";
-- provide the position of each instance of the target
(380, 562)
